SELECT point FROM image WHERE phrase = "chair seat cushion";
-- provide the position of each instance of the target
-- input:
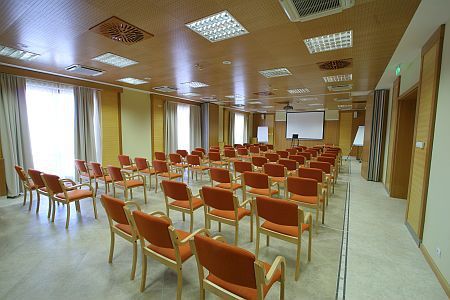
(180, 165)
(185, 250)
(107, 178)
(131, 183)
(264, 192)
(75, 194)
(219, 162)
(196, 203)
(124, 227)
(147, 171)
(200, 168)
(233, 186)
(87, 175)
(278, 179)
(170, 175)
(304, 199)
(130, 168)
(229, 214)
(284, 229)
(243, 291)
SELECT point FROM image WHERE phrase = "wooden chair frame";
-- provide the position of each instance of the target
(151, 172)
(273, 181)
(129, 176)
(40, 191)
(252, 195)
(232, 180)
(103, 178)
(170, 176)
(28, 186)
(178, 166)
(197, 169)
(82, 176)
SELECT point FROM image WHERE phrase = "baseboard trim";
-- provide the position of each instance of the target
(440, 277)
(413, 233)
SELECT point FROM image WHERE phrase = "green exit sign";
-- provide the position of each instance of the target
(397, 71)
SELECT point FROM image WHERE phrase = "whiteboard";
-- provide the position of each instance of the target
(359, 138)
(308, 125)
(263, 134)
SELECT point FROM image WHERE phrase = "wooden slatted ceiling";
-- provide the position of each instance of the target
(59, 31)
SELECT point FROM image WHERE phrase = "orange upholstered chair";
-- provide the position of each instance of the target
(162, 170)
(254, 150)
(272, 157)
(277, 174)
(120, 225)
(239, 167)
(222, 178)
(41, 189)
(257, 184)
(195, 166)
(100, 174)
(126, 181)
(28, 186)
(283, 154)
(183, 153)
(263, 148)
(222, 206)
(144, 169)
(327, 168)
(126, 163)
(251, 280)
(314, 152)
(160, 156)
(201, 150)
(333, 162)
(67, 191)
(269, 147)
(290, 165)
(83, 171)
(291, 151)
(305, 192)
(177, 162)
(243, 153)
(216, 160)
(182, 199)
(161, 241)
(230, 155)
(320, 176)
(258, 162)
(214, 149)
(200, 154)
(305, 154)
(283, 220)
(300, 159)
(319, 149)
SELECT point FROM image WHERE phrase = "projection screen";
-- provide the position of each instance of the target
(308, 125)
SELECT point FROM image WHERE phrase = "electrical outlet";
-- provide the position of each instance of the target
(438, 252)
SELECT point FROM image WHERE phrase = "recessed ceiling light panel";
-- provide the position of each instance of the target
(345, 106)
(17, 54)
(330, 42)
(164, 89)
(115, 60)
(267, 106)
(254, 102)
(195, 84)
(84, 70)
(342, 99)
(133, 81)
(275, 72)
(191, 94)
(235, 97)
(218, 27)
(337, 78)
(340, 87)
(298, 91)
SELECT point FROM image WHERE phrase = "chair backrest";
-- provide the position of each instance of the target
(81, 166)
(269, 146)
(298, 158)
(324, 166)
(198, 153)
(256, 180)
(314, 173)
(220, 175)
(114, 209)
(259, 161)
(183, 153)
(330, 160)
(242, 151)
(330, 154)
(215, 256)
(115, 173)
(274, 170)
(154, 229)
(292, 151)
(194, 160)
(312, 151)
(305, 154)
(283, 154)
(254, 149)
(263, 148)
(318, 148)
(277, 211)
(175, 190)
(96, 169)
(237, 146)
(214, 156)
(21, 173)
(229, 152)
(175, 158)
(228, 146)
(160, 166)
(141, 163)
(218, 198)
(289, 164)
(272, 157)
(302, 186)
(242, 166)
(203, 150)
(160, 156)
(124, 160)
(52, 183)
(36, 177)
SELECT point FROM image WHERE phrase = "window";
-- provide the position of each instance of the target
(239, 130)
(183, 127)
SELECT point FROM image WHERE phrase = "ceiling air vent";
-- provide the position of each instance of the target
(210, 98)
(306, 10)
(165, 89)
(340, 87)
(335, 64)
(121, 31)
(84, 70)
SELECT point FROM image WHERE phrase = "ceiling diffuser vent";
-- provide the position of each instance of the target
(165, 89)
(84, 70)
(335, 64)
(305, 10)
(121, 31)
(340, 87)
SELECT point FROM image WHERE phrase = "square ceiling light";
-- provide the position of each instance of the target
(330, 42)
(275, 72)
(115, 60)
(133, 81)
(218, 27)
(195, 84)
(342, 99)
(235, 97)
(298, 91)
(191, 94)
(17, 54)
(254, 102)
(337, 78)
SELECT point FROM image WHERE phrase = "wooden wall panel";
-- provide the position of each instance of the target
(424, 132)
(111, 127)
(226, 126)
(345, 131)
(158, 121)
(392, 132)
(213, 125)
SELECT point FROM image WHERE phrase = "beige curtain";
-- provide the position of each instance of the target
(245, 128)
(170, 128)
(14, 132)
(231, 131)
(195, 138)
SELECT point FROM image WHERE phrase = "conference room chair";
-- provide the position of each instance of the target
(126, 163)
(239, 167)
(243, 153)
(214, 149)
(181, 199)
(182, 152)
(28, 186)
(215, 160)
(223, 206)
(272, 157)
(163, 170)
(195, 166)
(300, 159)
(283, 153)
(283, 220)
(263, 148)
(144, 169)
(291, 151)
(246, 145)
(270, 147)
(127, 182)
(237, 146)
(307, 155)
(277, 175)
(162, 242)
(203, 158)
(319, 149)
(305, 192)
(41, 189)
(222, 178)
(67, 191)
(254, 150)
(258, 162)
(313, 152)
(200, 149)
(230, 155)
(120, 225)
(320, 177)
(332, 161)
(257, 184)
(290, 165)
(251, 280)
(160, 156)
(83, 171)
(177, 162)
(100, 174)
(327, 168)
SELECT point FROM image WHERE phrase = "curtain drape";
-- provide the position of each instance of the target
(195, 127)
(170, 128)
(14, 130)
(231, 131)
(84, 129)
(245, 128)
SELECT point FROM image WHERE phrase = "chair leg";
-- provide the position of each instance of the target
(95, 207)
(31, 199)
(316, 225)
(125, 193)
(179, 283)
(309, 243)
(133, 267)
(267, 240)
(24, 195)
(191, 227)
(251, 227)
(297, 263)
(114, 190)
(156, 184)
(184, 217)
(144, 272)
(49, 207)
(38, 202)
(77, 206)
(236, 233)
(282, 284)
(145, 195)
(323, 211)
(257, 243)
(53, 210)
(220, 227)
(68, 215)
(111, 247)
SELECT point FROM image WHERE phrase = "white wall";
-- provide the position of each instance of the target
(437, 218)
(410, 74)
(136, 124)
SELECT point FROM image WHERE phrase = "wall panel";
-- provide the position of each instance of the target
(111, 128)
(157, 123)
(345, 131)
(213, 125)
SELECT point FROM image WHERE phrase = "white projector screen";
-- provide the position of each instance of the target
(308, 125)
